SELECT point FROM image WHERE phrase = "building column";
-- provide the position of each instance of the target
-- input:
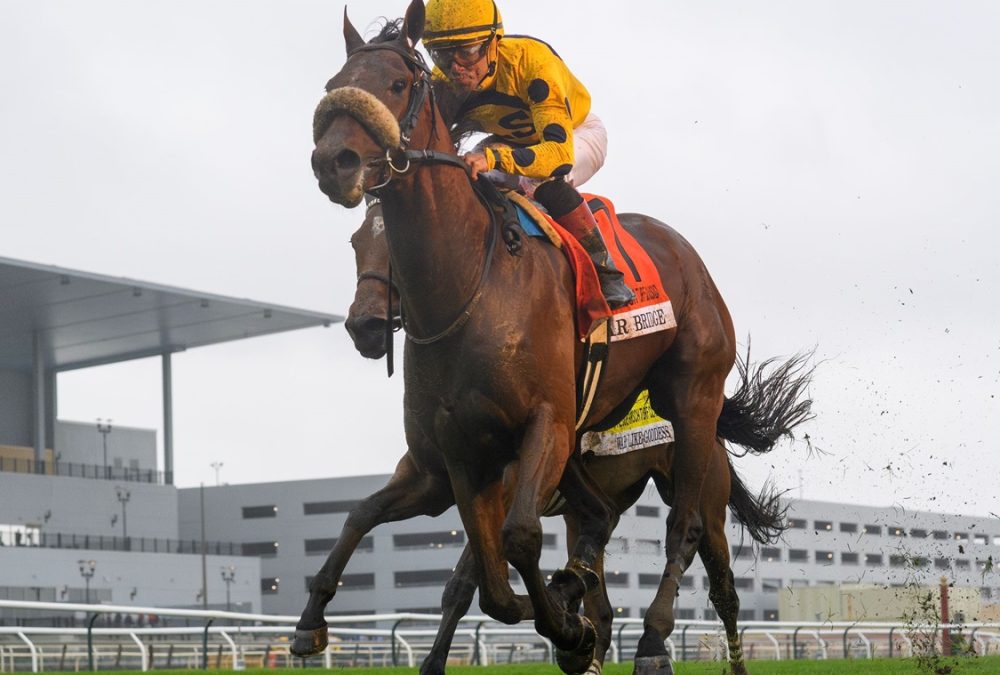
(38, 399)
(168, 421)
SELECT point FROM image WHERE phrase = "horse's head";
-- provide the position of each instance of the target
(372, 309)
(371, 107)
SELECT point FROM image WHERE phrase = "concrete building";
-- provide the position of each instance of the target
(89, 512)
(403, 566)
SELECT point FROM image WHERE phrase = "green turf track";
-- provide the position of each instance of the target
(959, 666)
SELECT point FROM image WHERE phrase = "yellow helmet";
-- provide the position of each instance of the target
(456, 22)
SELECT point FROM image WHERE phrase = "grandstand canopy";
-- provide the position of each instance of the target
(82, 319)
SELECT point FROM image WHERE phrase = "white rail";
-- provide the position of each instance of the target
(268, 638)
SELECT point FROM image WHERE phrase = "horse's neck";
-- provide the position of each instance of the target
(437, 229)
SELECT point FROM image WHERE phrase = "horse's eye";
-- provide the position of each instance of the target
(398, 86)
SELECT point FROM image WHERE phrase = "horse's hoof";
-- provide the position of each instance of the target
(309, 642)
(653, 665)
(581, 659)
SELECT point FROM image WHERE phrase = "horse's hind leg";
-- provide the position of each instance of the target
(410, 492)
(455, 603)
(714, 552)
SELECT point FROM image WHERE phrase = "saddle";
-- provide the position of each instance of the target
(596, 324)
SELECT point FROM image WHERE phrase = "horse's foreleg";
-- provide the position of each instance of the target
(594, 517)
(543, 454)
(481, 502)
(410, 492)
(596, 604)
(455, 603)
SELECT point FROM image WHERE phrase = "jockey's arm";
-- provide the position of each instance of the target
(545, 90)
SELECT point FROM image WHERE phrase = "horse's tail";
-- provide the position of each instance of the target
(762, 515)
(764, 409)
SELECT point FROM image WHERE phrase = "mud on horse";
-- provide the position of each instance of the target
(489, 369)
(371, 318)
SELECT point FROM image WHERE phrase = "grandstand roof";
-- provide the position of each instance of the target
(86, 319)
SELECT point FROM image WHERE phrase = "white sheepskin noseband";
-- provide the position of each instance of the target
(370, 112)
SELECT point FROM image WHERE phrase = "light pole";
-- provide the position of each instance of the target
(104, 427)
(228, 574)
(216, 466)
(123, 496)
(87, 572)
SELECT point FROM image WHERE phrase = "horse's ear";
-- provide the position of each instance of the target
(352, 37)
(413, 24)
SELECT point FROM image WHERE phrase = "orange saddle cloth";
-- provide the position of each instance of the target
(651, 310)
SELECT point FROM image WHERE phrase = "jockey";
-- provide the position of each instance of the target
(523, 93)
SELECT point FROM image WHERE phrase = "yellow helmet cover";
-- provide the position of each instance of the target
(456, 22)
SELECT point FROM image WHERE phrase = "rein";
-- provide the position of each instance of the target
(420, 90)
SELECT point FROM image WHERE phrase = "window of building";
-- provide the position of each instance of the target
(617, 546)
(824, 557)
(649, 546)
(918, 533)
(939, 534)
(941, 563)
(19, 535)
(685, 614)
(428, 540)
(615, 578)
(961, 536)
(897, 561)
(848, 558)
(623, 611)
(770, 554)
(919, 562)
(711, 614)
(649, 580)
(986, 593)
(797, 523)
(269, 585)
(770, 615)
(325, 545)
(873, 529)
(873, 559)
(549, 541)
(647, 511)
(798, 583)
(770, 585)
(742, 552)
(269, 511)
(687, 581)
(996, 540)
(262, 549)
(706, 583)
(897, 531)
(415, 578)
(357, 582)
(850, 528)
(980, 539)
(981, 565)
(743, 583)
(317, 508)
(798, 555)
(746, 615)
(823, 525)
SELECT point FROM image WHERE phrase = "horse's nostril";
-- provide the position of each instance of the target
(347, 161)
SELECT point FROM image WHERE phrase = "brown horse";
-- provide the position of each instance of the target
(491, 359)
(375, 311)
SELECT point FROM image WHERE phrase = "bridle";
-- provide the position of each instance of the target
(420, 90)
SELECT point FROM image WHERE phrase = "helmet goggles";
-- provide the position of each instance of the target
(464, 55)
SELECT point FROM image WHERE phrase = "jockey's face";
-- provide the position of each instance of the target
(468, 65)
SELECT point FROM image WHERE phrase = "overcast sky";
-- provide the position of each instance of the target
(836, 164)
